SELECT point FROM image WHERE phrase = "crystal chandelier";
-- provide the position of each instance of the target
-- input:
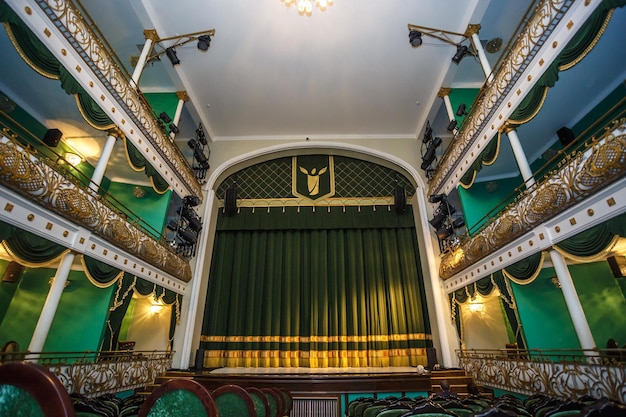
(306, 6)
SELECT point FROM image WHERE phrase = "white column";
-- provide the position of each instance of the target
(448, 104)
(182, 97)
(482, 57)
(103, 161)
(151, 36)
(573, 303)
(520, 158)
(52, 302)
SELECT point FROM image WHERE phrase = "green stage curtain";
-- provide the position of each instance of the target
(315, 297)
(595, 241)
(117, 310)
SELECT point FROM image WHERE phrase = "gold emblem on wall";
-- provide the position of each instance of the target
(313, 176)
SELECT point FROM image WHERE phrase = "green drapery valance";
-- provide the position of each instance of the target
(316, 218)
(138, 162)
(577, 48)
(487, 157)
(100, 274)
(28, 248)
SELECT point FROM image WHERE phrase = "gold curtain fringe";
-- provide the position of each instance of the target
(529, 118)
(54, 263)
(593, 43)
(592, 258)
(118, 302)
(495, 155)
(532, 278)
(88, 120)
(316, 339)
(94, 281)
(130, 164)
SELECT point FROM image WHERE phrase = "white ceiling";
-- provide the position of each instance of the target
(346, 72)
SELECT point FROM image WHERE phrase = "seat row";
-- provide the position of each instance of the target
(27, 389)
(479, 406)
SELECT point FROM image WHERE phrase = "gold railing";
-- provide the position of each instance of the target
(558, 373)
(95, 373)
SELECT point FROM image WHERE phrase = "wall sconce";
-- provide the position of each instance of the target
(476, 307)
(156, 308)
(73, 159)
(555, 282)
(51, 281)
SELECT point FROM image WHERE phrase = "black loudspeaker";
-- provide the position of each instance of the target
(13, 272)
(431, 357)
(566, 136)
(399, 199)
(230, 200)
(618, 265)
(199, 365)
(52, 137)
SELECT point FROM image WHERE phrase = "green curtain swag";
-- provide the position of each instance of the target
(315, 218)
(138, 162)
(315, 298)
(29, 249)
(100, 274)
(525, 271)
(487, 157)
(577, 48)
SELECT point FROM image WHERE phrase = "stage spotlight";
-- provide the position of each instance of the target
(460, 111)
(201, 136)
(174, 129)
(428, 134)
(444, 231)
(441, 213)
(172, 225)
(171, 55)
(204, 42)
(188, 236)
(200, 157)
(458, 223)
(415, 38)
(191, 200)
(436, 198)
(429, 156)
(192, 143)
(461, 51)
(192, 218)
(452, 125)
(163, 116)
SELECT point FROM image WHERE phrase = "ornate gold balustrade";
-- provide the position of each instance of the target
(558, 373)
(95, 373)
(46, 185)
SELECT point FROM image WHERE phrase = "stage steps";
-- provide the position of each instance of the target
(172, 374)
(458, 380)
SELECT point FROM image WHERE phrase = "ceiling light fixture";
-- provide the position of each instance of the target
(305, 7)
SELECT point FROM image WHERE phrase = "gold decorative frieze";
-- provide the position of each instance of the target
(543, 22)
(41, 183)
(580, 175)
(100, 62)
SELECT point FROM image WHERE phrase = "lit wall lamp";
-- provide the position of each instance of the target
(156, 307)
(73, 159)
(476, 307)
(203, 39)
(416, 34)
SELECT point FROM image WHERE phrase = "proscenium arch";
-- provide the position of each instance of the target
(435, 294)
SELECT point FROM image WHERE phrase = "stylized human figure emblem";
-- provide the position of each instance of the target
(313, 179)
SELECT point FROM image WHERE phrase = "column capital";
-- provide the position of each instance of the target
(506, 128)
(472, 29)
(444, 91)
(182, 95)
(116, 132)
(151, 34)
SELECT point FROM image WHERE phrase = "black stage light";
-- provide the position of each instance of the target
(191, 200)
(188, 236)
(444, 231)
(204, 42)
(452, 125)
(441, 213)
(461, 51)
(415, 38)
(171, 54)
(192, 218)
(163, 116)
(429, 156)
(460, 111)
(172, 225)
(458, 223)
(200, 157)
(201, 136)
(174, 129)
(436, 198)
(193, 144)
(428, 134)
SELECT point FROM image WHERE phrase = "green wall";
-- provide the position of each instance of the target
(7, 289)
(80, 318)
(152, 206)
(546, 320)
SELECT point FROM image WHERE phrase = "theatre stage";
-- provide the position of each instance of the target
(320, 380)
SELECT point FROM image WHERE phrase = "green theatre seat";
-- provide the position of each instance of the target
(233, 401)
(179, 397)
(274, 400)
(29, 390)
(261, 405)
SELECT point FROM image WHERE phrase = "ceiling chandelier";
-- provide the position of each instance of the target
(306, 6)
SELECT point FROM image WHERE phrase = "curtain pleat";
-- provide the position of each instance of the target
(30, 249)
(315, 298)
(99, 273)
